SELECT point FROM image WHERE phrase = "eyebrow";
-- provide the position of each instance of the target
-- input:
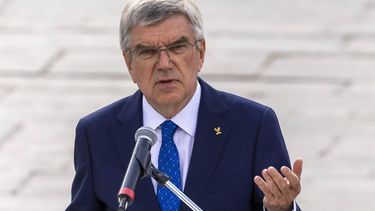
(178, 41)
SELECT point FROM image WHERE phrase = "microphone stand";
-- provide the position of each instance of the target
(163, 179)
(149, 170)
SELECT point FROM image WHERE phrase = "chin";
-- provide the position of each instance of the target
(171, 98)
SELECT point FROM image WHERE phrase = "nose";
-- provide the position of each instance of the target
(164, 59)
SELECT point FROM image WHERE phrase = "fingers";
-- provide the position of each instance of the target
(273, 184)
(263, 186)
(280, 189)
(292, 178)
(281, 184)
(273, 187)
(273, 196)
(297, 167)
(286, 186)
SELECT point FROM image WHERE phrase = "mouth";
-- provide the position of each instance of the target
(166, 81)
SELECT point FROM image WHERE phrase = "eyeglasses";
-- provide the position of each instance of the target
(151, 54)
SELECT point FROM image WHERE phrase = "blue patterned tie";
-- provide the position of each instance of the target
(169, 163)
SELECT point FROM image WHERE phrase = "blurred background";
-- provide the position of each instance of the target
(313, 61)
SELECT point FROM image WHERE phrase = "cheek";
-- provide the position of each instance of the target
(132, 72)
(138, 78)
(132, 75)
(139, 74)
(198, 62)
(192, 65)
(143, 78)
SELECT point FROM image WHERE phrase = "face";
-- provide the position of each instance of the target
(169, 81)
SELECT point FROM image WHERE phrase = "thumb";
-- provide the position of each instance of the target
(297, 167)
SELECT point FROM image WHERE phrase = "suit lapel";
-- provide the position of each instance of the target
(130, 118)
(211, 135)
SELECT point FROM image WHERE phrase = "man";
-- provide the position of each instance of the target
(212, 144)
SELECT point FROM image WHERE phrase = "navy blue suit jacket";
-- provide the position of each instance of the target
(222, 167)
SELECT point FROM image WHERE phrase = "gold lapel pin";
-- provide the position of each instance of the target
(218, 131)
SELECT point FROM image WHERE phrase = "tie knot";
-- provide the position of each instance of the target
(168, 128)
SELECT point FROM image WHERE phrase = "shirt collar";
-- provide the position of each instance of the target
(186, 119)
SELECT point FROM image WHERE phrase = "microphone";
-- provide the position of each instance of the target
(139, 165)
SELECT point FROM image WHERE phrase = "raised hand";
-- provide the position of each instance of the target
(280, 190)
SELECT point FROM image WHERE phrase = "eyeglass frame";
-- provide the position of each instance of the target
(167, 48)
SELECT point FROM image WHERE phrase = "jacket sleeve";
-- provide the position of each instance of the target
(83, 194)
(270, 150)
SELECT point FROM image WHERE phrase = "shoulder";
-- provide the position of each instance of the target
(229, 101)
(234, 106)
(238, 102)
(111, 111)
(247, 108)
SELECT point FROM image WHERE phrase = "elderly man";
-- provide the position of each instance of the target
(212, 144)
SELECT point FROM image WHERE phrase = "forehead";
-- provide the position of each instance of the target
(162, 33)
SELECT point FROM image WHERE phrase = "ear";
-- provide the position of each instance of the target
(128, 60)
(201, 47)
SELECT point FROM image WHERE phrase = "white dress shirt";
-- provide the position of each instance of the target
(186, 120)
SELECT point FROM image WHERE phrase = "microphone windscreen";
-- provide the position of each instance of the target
(146, 132)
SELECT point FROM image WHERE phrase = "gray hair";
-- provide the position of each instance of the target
(149, 12)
